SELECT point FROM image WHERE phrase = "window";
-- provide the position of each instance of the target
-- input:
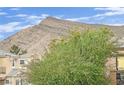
(7, 82)
(2, 70)
(122, 76)
(22, 61)
(17, 82)
(118, 76)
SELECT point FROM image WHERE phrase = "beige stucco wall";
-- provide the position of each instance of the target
(6, 62)
(22, 66)
(12, 80)
(120, 62)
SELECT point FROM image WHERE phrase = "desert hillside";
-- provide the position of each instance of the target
(35, 39)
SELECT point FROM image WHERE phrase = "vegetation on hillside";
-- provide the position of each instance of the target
(78, 59)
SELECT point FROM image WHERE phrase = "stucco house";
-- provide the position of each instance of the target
(7, 62)
(12, 68)
(116, 64)
(120, 66)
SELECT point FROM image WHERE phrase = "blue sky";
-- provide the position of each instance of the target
(14, 19)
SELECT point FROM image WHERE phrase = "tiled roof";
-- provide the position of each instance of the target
(5, 53)
(14, 72)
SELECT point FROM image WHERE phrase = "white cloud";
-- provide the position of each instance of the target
(114, 24)
(18, 15)
(3, 13)
(78, 18)
(21, 15)
(110, 11)
(33, 19)
(30, 16)
(107, 12)
(59, 16)
(11, 27)
(44, 15)
(15, 9)
(29, 20)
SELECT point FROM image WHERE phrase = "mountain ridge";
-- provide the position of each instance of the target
(36, 39)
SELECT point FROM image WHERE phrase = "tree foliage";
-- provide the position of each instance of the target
(17, 50)
(78, 59)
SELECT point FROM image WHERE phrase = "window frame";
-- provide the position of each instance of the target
(7, 82)
(2, 70)
(21, 62)
(17, 82)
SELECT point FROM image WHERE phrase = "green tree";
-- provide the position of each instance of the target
(17, 50)
(78, 59)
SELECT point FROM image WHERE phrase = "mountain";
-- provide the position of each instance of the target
(35, 39)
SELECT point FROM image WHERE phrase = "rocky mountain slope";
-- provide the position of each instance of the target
(35, 39)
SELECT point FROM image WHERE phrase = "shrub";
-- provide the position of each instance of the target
(78, 59)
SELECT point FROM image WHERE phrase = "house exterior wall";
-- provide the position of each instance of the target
(23, 66)
(13, 80)
(13, 68)
(7, 63)
(19, 65)
(117, 67)
(120, 62)
(111, 70)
